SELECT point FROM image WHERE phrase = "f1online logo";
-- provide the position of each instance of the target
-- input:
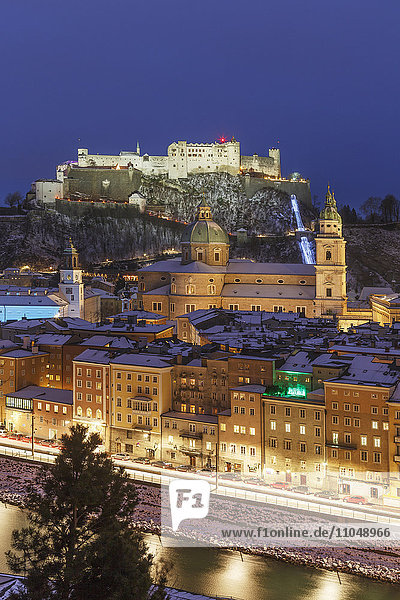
(189, 499)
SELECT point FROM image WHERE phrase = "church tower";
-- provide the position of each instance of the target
(71, 285)
(330, 267)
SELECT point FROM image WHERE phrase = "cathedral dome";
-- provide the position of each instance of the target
(204, 230)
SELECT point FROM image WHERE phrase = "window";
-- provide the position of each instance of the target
(364, 455)
(223, 427)
(287, 411)
(302, 447)
(272, 409)
(375, 424)
(119, 417)
(377, 442)
(363, 440)
(303, 429)
(252, 431)
(157, 306)
(287, 427)
(328, 292)
(273, 425)
(302, 413)
(328, 255)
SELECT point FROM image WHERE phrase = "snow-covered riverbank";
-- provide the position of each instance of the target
(381, 564)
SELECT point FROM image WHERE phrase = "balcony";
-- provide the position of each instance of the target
(141, 412)
(190, 450)
(341, 445)
(195, 435)
(145, 428)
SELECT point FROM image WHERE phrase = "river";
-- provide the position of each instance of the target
(224, 573)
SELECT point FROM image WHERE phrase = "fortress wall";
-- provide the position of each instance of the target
(301, 189)
(93, 183)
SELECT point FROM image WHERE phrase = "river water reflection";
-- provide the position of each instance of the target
(223, 573)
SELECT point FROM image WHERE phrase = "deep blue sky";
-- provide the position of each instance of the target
(321, 77)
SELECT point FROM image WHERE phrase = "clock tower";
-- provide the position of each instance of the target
(71, 285)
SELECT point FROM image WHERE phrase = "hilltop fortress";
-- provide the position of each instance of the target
(116, 178)
(184, 158)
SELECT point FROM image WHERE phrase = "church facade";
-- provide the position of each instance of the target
(206, 278)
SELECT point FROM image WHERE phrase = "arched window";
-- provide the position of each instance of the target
(98, 414)
(173, 288)
(89, 413)
(141, 286)
(79, 411)
(328, 255)
(75, 261)
(200, 254)
(190, 289)
(211, 289)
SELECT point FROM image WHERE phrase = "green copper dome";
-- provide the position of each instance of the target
(204, 230)
(330, 212)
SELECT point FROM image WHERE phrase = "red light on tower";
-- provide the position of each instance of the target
(222, 139)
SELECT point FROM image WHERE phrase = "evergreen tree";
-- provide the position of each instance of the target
(78, 543)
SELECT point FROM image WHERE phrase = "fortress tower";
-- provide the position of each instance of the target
(330, 268)
(71, 285)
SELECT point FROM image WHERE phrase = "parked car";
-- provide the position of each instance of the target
(120, 456)
(143, 460)
(254, 481)
(185, 469)
(230, 476)
(301, 489)
(206, 472)
(355, 500)
(161, 464)
(280, 485)
(328, 495)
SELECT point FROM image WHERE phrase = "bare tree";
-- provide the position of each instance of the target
(14, 199)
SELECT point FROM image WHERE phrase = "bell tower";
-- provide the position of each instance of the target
(71, 285)
(330, 267)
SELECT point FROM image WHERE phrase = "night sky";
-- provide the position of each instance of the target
(320, 77)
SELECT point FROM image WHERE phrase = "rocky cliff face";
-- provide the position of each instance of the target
(268, 211)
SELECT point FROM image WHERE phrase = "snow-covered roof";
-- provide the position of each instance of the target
(244, 290)
(140, 360)
(190, 416)
(20, 353)
(45, 394)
